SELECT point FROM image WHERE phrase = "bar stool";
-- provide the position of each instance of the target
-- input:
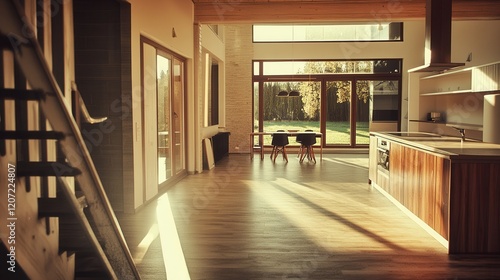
(279, 142)
(307, 140)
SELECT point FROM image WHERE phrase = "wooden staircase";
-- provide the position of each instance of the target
(65, 225)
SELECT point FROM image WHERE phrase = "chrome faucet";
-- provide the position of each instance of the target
(462, 132)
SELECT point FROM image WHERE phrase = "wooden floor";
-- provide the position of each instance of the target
(262, 220)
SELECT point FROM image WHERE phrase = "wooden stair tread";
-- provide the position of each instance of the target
(41, 135)
(45, 168)
(21, 94)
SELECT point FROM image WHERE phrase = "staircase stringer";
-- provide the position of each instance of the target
(32, 63)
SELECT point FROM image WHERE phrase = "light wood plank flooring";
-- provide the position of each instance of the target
(261, 220)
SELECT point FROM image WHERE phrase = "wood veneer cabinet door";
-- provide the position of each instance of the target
(412, 174)
(434, 194)
(397, 172)
(441, 206)
(428, 187)
(475, 207)
(420, 181)
(372, 163)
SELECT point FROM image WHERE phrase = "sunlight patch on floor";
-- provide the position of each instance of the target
(324, 230)
(173, 257)
(416, 219)
(351, 162)
(143, 247)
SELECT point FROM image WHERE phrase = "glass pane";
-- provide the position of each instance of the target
(385, 100)
(363, 93)
(291, 106)
(388, 66)
(338, 114)
(163, 87)
(328, 32)
(177, 119)
(256, 112)
(256, 68)
(283, 67)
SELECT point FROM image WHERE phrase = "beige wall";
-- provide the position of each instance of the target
(155, 20)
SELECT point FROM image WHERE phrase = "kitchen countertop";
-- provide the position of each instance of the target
(450, 146)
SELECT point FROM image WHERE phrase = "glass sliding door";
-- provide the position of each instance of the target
(338, 113)
(150, 141)
(164, 87)
(170, 71)
(177, 119)
(163, 130)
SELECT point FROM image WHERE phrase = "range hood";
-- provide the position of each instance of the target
(437, 37)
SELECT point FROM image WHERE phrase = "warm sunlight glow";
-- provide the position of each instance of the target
(412, 216)
(325, 224)
(360, 163)
(143, 247)
(173, 257)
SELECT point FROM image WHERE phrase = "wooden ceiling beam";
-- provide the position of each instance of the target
(241, 11)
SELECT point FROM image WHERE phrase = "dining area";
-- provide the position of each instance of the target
(282, 139)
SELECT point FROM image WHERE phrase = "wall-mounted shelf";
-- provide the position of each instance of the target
(484, 78)
(459, 81)
(425, 121)
(446, 92)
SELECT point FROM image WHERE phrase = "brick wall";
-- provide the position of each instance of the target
(239, 55)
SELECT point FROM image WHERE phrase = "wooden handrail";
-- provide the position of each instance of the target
(30, 59)
(80, 109)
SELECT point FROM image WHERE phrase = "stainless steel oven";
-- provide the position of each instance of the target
(383, 155)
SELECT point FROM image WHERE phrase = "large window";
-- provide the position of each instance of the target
(390, 31)
(341, 99)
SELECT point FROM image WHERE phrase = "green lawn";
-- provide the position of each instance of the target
(337, 133)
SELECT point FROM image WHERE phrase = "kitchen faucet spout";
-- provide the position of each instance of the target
(461, 131)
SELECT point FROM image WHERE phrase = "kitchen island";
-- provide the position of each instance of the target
(450, 186)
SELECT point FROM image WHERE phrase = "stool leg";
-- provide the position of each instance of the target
(275, 154)
(313, 157)
(284, 154)
(302, 154)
